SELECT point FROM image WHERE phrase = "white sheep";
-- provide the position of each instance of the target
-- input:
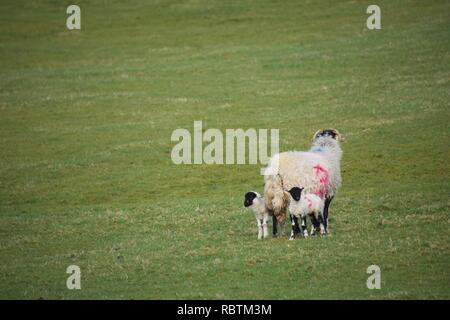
(317, 170)
(305, 205)
(254, 201)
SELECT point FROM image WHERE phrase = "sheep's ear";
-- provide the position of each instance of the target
(339, 136)
(316, 134)
(291, 190)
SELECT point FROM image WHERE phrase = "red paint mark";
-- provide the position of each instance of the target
(324, 180)
(309, 202)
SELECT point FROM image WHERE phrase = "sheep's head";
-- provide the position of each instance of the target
(296, 193)
(333, 133)
(249, 197)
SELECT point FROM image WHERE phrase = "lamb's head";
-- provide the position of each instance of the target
(249, 197)
(296, 193)
(332, 133)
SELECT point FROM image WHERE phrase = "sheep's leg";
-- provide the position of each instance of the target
(260, 230)
(315, 225)
(274, 225)
(292, 237)
(325, 213)
(304, 227)
(321, 221)
(296, 226)
(265, 232)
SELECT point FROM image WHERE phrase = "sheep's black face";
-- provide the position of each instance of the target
(249, 196)
(327, 132)
(296, 193)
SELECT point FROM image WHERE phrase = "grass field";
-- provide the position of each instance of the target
(86, 176)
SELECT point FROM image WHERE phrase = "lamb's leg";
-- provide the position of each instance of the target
(315, 225)
(296, 226)
(265, 231)
(304, 227)
(325, 213)
(292, 237)
(321, 221)
(260, 230)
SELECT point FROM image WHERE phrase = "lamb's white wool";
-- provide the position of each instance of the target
(255, 201)
(308, 205)
(317, 170)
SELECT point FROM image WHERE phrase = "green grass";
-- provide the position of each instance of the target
(86, 176)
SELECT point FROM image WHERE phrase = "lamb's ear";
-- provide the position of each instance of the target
(339, 136)
(316, 134)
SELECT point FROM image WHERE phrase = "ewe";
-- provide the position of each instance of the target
(317, 170)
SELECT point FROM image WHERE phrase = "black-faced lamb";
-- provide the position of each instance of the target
(255, 201)
(303, 205)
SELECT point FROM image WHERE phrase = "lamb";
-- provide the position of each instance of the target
(317, 170)
(256, 202)
(302, 206)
